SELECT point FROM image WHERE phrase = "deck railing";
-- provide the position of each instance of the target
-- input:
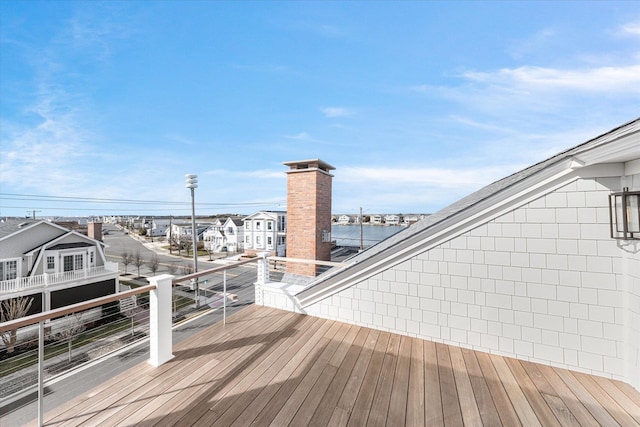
(162, 305)
(53, 279)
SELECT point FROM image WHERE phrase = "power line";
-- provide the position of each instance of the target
(68, 199)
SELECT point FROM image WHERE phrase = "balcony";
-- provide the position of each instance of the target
(21, 284)
(267, 366)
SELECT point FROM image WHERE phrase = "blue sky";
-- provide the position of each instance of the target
(416, 104)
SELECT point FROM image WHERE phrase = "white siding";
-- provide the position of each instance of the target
(543, 283)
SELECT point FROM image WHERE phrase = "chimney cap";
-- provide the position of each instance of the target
(309, 164)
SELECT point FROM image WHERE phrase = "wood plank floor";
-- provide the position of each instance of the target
(271, 367)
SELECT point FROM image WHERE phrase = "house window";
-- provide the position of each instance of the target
(91, 258)
(246, 240)
(258, 241)
(269, 241)
(281, 224)
(258, 224)
(269, 225)
(247, 226)
(73, 262)
(8, 270)
(68, 263)
(51, 263)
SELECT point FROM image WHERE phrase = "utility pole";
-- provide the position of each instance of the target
(361, 245)
(33, 213)
(191, 183)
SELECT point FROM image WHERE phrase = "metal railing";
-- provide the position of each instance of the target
(159, 302)
(167, 294)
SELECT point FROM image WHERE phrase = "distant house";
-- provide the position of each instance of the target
(52, 264)
(266, 231)
(181, 231)
(392, 219)
(543, 266)
(344, 219)
(375, 219)
(156, 227)
(234, 233)
(410, 219)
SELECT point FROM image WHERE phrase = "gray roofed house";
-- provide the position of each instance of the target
(525, 267)
(52, 264)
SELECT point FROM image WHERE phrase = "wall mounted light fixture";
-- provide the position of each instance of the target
(624, 214)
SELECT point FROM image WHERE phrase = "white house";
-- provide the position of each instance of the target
(213, 237)
(234, 233)
(156, 227)
(181, 231)
(55, 266)
(344, 219)
(375, 219)
(537, 266)
(392, 219)
(266, 231)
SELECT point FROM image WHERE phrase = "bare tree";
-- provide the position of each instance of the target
(187, 245)
(187, 269)
(126, 260)
(172, 268)
(72, 326)
(153, 264)
(138, 261)
(11, 309)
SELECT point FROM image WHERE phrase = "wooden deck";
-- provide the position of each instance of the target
(271, 367)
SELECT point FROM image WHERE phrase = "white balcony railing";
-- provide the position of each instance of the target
(52, 279)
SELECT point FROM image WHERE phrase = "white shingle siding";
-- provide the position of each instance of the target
(543, 283)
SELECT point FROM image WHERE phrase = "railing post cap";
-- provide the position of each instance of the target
(160, 277)
(263, 254)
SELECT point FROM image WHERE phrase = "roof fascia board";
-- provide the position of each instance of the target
(508, 199)
(602, 170)
(626, 147)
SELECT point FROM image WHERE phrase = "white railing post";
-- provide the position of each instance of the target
(160, 339)
(263, 277)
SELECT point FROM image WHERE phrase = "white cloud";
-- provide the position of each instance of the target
(302, 136)
(254, 174)
(422, 177)
(333, 112)
(179, 138)
(603, 79)
(632, 28)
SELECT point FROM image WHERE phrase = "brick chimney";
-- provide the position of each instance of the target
(94, 230)
(308, 214)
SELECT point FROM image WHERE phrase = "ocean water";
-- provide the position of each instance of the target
(349, 235)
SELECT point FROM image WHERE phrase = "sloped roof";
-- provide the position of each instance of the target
(412, 240)
(10, 226)
(14, 226)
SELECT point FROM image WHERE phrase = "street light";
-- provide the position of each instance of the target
(191, 181)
